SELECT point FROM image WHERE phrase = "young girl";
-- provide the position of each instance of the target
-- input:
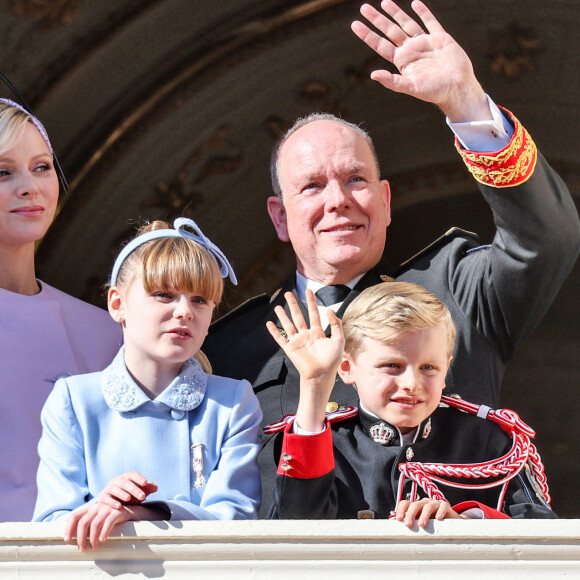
(44, 333)
(154, 424)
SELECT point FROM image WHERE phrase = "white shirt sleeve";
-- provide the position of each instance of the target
(474, 514)
(299, 431)
(481, 136)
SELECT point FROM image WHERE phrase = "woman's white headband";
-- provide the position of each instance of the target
(179, 232)
(34, 120)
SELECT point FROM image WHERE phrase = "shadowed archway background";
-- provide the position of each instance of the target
(160, 108)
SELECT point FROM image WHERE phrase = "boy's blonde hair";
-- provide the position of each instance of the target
(177, 263)
(386, 311)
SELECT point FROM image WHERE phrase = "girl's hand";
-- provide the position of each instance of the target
(423, 510)
(95, 521)
(126, 489)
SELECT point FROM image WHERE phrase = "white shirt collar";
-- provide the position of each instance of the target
(303, 283)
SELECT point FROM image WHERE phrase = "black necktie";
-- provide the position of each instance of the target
(329, 295)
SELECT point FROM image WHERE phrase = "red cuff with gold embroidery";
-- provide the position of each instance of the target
(511, 166)
(306, 456)
(489, 513)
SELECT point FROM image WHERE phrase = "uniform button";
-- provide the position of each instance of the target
(410, 454)
(286, 456)
(285, 466)
(177, 414)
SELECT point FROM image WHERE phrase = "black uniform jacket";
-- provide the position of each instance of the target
(366, 473)
(496, 293)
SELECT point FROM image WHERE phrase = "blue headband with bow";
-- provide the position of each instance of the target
(179, 232)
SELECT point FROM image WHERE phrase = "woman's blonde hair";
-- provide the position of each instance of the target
(173, 263)
(12, 123)
(386, 311)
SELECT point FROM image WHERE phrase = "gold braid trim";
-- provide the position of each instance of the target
(511, 166)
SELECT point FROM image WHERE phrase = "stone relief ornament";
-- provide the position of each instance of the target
(50, 13)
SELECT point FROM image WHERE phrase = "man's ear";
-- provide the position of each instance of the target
(277, 213)
(345, 370)
(116, 305)
(386, 192)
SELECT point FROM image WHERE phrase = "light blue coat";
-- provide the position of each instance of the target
(98, 426)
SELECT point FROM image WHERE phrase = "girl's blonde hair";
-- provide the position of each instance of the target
(173, 263)
(386, 311)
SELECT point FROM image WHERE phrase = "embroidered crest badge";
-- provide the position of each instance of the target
(382, 433)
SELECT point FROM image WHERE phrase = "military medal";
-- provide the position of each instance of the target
(197, 464)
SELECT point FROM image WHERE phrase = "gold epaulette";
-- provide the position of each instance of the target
(511, 166)
(334, 413)
(449, 235)
(275, 295)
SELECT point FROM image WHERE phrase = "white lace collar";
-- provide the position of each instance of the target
(123, 394)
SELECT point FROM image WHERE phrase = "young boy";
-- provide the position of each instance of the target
(394, 346)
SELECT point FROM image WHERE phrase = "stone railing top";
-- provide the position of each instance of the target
(300, 549)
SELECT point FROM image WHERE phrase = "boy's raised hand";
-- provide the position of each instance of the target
(310, 350)
(315, 356)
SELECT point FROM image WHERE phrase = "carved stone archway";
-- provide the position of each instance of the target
(159, 108)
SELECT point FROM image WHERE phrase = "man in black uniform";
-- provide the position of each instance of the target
(331, 205)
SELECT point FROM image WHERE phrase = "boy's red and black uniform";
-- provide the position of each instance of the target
(352, 468)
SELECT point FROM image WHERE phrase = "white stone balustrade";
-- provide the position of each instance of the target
(313, 549)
